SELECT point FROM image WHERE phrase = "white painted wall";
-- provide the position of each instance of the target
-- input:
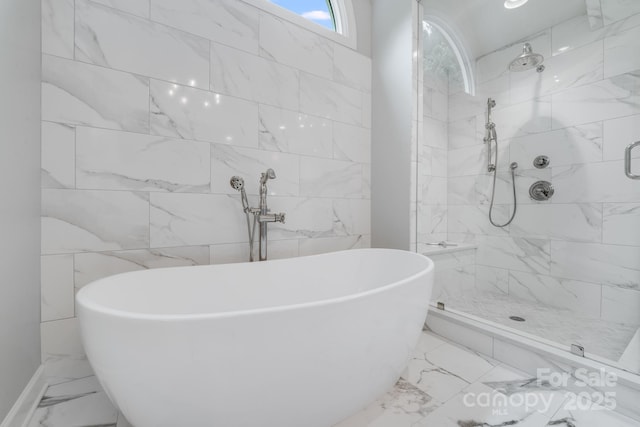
(391, 123)
(20, 196)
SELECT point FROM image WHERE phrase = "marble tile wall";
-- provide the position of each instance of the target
(580, 250)
(149, 107)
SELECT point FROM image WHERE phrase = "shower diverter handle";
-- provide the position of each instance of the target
(627, 160)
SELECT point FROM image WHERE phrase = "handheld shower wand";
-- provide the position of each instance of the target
(237, 183)
(491, 136)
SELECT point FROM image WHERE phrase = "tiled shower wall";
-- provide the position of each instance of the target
(580, 250)
(149, 107)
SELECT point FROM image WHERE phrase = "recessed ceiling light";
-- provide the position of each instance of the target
(512, 4)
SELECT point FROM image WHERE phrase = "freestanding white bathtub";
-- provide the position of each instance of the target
(299, 342)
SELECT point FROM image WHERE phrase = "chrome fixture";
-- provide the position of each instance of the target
(627, 160)
(442, 244)
(527, 60)
(237, 183)
(577, 349)
(541, 191)
(541, 162)
(260, 215)
(512, 4)
(491, 136)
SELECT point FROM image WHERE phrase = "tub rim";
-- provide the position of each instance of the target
(91, 305)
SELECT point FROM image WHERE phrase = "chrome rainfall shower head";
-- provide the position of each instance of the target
(527, 60)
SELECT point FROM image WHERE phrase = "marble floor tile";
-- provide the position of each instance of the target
(79, 403)
(444, 385)
(595, 416)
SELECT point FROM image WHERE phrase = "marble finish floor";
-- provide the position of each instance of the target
(600, 338)
(444, 385)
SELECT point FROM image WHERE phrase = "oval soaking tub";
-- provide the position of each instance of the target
(297, 342)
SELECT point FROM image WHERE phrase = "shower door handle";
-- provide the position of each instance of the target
(627, 160)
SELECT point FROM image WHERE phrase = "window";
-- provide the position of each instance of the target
(318, 11)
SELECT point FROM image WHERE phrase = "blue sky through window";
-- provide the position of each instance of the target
(313, 10)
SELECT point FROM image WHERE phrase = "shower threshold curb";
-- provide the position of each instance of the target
(529, 355)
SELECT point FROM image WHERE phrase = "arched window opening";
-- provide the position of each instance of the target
(445, 56)
(321, 12)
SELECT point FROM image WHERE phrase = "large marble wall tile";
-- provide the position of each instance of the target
(306, 218)
(576, 222)
(594, 183)
(621, 52)
(330, 178)
(571, 69)
(462, 105)
(519, 254)
(462, 133)
(229, 22)
(354, 216)
(295, 46)
(592, 262)
(608, 99)
(433, 190)
(577, 32)
(473, 160)
(440, 105)
(90, 266)
(77, 93)
(476, 189)
(230, 253)
(435, 133)
(239, 252)
(328, 99)
(573, 145)
(56, 272)
(573, 33)
(474, 219)
(521, 119)
(80, 220)
(491, 279)
(139, 46)
(58, 156)
(620, 225)
(351, 68)
(58, 27)
(113, 160)
(248, 76)
(580, 297)
(366, 110)
(188, 113)
(331, 244)
(615, 10)
(439, 162)
(618, 134)
(620, 305)
(292, 132)
(249, 164)
(351, 143)
(136, 7)
(181, 219)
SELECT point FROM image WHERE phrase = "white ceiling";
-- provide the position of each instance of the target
(486, 25)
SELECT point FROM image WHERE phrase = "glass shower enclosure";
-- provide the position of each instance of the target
(562, 82)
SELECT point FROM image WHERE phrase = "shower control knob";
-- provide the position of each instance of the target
(541, 162)
(541, 191)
